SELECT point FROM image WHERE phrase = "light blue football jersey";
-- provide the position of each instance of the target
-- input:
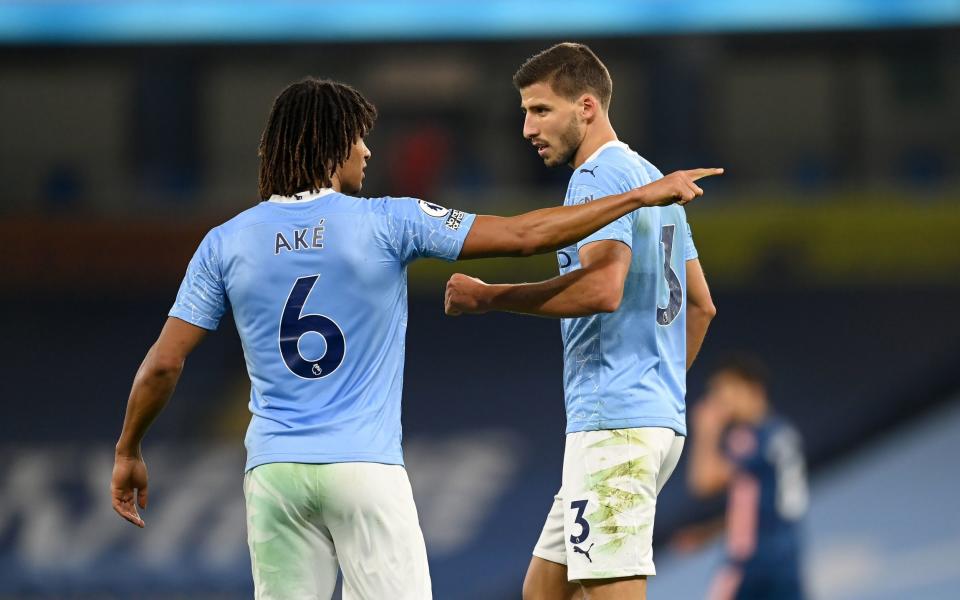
(318, 288)
(628, 368)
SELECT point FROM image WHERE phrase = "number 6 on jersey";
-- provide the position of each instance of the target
(294, 326)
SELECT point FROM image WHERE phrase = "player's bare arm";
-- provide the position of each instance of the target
(709, 471)
(152, 387)
(700, 309)
(549, 229)
(597, 287)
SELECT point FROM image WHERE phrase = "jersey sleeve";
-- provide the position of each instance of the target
(201, 300)
(421, 229)
(690, 250)
(588, 185)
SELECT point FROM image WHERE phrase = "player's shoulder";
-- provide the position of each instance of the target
(635, 165)
(775, 422)
(777, 427)
(394, 204)
(615, 164)
(380, 205)
(407, 208)
(602, 168)
(776, 436)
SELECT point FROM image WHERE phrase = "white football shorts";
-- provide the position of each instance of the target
(303, 520)
(601, 521)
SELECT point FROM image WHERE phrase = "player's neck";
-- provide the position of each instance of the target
(598, 134)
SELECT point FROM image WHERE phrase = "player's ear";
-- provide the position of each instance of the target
(589, 107)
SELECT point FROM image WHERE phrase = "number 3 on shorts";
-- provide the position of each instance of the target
(580, 506)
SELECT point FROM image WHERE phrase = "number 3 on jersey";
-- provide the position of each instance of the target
(666, 315)
(294, 326)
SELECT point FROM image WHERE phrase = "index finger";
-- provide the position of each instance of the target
(696, 174)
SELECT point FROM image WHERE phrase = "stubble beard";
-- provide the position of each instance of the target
(570, 141)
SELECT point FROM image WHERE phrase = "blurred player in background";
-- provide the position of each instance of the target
(741, 446)
(634, 309)
(316, 280)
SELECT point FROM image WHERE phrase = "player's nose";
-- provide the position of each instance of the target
(529, 131)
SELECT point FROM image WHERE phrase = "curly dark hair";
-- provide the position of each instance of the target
(311, 128)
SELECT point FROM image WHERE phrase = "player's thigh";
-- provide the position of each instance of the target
(627, 588)
(547, 580)
(550, 545)
(669, 461)
(546, 577)
(292, 555)
(610, 483)
(370, 512)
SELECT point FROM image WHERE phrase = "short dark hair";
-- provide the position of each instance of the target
(570, 69)
(311, 128)
(745, 366)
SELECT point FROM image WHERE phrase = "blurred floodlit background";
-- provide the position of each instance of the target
(127, 129)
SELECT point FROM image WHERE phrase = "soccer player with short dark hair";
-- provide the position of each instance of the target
(634, 309)
(742, 447)
(316, 279)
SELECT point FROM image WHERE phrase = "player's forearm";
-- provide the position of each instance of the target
(549, 229)
(707, 472)
(152, 388)
(698, 321)
(575, 294)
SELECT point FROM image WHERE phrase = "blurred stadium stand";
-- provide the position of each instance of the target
(833, 246)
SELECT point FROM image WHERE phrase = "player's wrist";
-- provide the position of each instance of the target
(127, 449)
(642, 197)
(489, 296)
(483, 297)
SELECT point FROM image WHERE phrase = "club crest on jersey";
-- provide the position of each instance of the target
(433, 210)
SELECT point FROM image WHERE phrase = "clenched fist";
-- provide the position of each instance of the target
(464, 295)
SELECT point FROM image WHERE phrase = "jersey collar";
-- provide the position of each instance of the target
(610, 144)
(302, 196)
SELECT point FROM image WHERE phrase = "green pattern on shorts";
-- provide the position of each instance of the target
(613, 500)
(621, 437)
(275, 494)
